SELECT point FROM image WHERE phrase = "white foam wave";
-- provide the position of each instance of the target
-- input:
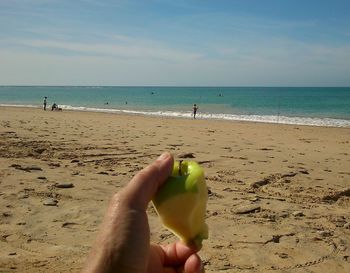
(20, 105)
(326, 122)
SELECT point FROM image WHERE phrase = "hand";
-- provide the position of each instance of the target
(123, 242)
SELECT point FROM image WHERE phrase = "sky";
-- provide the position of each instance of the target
(175, 42)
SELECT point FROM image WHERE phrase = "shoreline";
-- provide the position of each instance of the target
(264, 119)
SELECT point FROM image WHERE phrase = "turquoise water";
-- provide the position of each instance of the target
(293, 105)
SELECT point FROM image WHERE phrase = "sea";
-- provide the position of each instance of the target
(316, 106)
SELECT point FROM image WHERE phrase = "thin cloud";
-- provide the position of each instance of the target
(136, 50)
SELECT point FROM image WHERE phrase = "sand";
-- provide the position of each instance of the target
(279, 195)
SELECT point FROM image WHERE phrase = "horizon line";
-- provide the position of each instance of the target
(179, 86)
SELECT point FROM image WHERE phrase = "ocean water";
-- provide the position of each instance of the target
(316, 106)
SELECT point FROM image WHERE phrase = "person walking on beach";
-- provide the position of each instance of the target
(195, 108)
(45, 102)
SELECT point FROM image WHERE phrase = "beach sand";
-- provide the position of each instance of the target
(279, 195)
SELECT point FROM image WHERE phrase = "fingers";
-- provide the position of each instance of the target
(179, 254)
(179, 257)
(193, 265)
(141, 189)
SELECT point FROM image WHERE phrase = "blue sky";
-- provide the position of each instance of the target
(167, 42)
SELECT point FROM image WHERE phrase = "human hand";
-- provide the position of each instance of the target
(123, 243)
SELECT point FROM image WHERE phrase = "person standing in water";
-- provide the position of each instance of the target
(195, 108)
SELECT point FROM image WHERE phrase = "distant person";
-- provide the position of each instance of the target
(45, 102)
(54, 106)
(195, 108)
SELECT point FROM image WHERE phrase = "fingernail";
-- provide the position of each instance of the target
(163, 156)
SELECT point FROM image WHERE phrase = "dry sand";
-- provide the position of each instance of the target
(279, 198)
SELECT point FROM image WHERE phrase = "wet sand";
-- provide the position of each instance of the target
(279, 195)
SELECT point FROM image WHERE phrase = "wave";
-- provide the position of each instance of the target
(20, 105)
(312, 121)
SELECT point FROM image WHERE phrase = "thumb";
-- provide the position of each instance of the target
(142, 188)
